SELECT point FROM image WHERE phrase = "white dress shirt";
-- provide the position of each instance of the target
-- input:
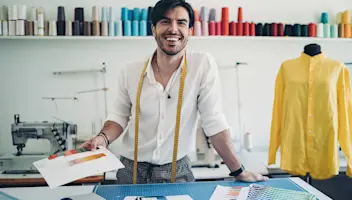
(201, 97)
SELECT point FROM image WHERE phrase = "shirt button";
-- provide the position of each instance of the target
(310, 82)
(309, 131)
(310, 115)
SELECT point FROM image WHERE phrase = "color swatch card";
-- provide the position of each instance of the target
(177, 197)
(230, 193)
(69, 166)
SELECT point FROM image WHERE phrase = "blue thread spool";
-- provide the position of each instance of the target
(127, 28)
(130, 15)
(136, 14)
(327, 30)
(111, 14)
(334, 31)
(135, 28)
(118, 28)
(111, 28)
(149, 28)
(124, 14)
(104, 16)
(143, 28)
(324, 18)
(144, 14)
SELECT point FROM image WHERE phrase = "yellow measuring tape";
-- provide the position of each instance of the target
(177, 128)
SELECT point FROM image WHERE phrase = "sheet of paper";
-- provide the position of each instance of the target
(72, 165)
(177, 197)
(229, 193)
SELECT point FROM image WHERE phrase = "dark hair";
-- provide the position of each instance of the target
(162, 6)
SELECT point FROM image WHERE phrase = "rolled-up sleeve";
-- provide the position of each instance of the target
(212, 118)
(122, 106)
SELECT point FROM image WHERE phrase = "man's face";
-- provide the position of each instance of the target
(172, 32)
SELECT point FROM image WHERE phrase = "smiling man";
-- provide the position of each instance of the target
(163, 96)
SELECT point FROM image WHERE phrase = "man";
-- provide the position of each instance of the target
(159, 98)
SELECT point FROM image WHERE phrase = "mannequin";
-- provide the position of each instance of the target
(312, 49)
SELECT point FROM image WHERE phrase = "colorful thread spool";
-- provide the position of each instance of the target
(312, 30)
(232, 28)
(324, 18)
(259, 29)
(118, 28)
(327, 30)
(127, 28)
(320, 30)
(143, 28)
(334, 31)
(212, 29)
(135, 28)
(124, 14)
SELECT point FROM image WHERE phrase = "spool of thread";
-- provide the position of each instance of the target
(118, 28)
(143, 28)
(46, 28)
(324, 18)
(341, 30)
(61, 14)
(246, 29)
(233, 27)
(224, 27)
(259, 29)
(20, 27)
(5, 28)
(127, 28)
(248, 141)
(212, 29)
(149, 28)
(87, 28)
(327, 30)
(347, 29)
(29, 28)
(12, 28)
(79, 14)
(320, 30)
(150, 9)
(76, 28)
(197, 28)
(13, 13)
(3, 13)
(68, 29)
(136, 14)
(339, 18)
(124, 14)
(274, 30)
(130, 15)
(111, 28)
(22, 12)
(204, 14)
(239, 29)
(32, 14)
(95, 28)
(240, 15)
(304, 30)
(280, 30)
(104, 28)
(346, 17)
(111, 14)
(252, 29)
(212, 15)
(35, 28)
(104, 14)
(196, 15)
(296, 30)
(205, 28)
(225, 14)
(144, 14)
(334, 31)
(218, 28)
(135, 28)
(312, 30)
(95, 13)
(52, 28)
(288, 30)
(266, 29)
(41, 23)
(60, 26)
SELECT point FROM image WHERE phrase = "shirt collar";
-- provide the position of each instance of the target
(312, 59)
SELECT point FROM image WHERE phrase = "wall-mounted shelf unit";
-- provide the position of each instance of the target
(255, 38)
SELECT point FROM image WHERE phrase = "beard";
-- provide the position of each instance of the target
(171, 49)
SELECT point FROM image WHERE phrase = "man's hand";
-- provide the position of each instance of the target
(247, 176)
(94, 142)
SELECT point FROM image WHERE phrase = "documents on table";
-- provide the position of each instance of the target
(69, 166)
(230, 193)
(177, 197)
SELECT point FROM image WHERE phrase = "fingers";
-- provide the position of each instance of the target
(94, 145)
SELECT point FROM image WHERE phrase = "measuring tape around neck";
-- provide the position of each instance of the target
(177, 128)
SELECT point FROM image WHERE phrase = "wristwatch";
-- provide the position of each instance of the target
(237, 172)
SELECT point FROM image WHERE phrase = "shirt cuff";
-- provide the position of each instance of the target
(214, 125)
(122, 121)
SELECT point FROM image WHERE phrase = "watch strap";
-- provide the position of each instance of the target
(237, 172)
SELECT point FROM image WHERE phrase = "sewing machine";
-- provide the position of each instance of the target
(206, 154)
(59, 134)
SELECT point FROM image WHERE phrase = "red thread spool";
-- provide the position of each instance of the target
(212, 30)
(224, 28)
(246, 29)
(239, 29)
(252, 29)
(239, 15)
(312, 30)
(196, 15)
(274, 29)
(233, 28)
(280, 29)
(218, 28)
(225, 14)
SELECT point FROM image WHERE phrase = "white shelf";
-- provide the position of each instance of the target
(255, 38)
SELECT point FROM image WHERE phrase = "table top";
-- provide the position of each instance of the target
(34, 193)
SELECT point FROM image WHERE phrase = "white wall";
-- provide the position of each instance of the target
(27, 65)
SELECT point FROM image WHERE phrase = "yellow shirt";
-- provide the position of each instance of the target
(312, 114)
